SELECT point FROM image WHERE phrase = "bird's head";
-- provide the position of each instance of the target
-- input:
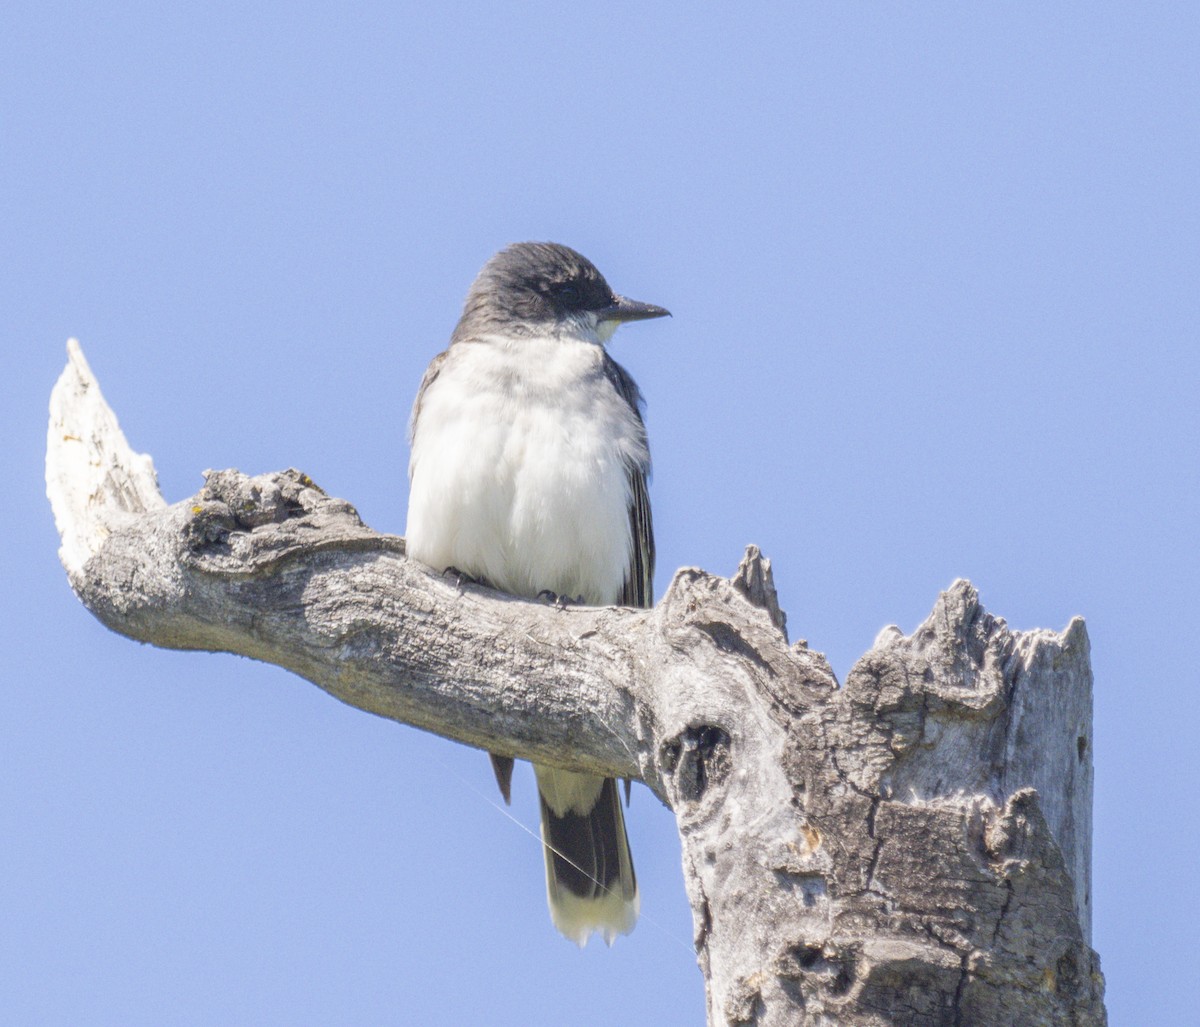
(538, 287)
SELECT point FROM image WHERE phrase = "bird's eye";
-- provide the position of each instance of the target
(567, 293)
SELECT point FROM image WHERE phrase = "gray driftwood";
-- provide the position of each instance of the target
(910, 848)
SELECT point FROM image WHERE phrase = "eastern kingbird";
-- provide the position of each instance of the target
(528, 473)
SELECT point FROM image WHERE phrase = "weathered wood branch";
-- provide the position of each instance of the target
(911, 848)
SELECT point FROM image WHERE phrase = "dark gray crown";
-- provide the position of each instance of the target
(531, 284)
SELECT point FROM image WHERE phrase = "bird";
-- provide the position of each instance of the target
(528, 473)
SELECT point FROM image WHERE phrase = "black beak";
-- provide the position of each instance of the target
(622, 310)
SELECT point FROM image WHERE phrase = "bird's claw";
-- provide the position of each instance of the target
(561, 602)
(461, 577)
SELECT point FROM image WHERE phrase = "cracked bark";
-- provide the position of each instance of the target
(910, 848)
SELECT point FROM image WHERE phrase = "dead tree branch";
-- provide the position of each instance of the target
(910, 848)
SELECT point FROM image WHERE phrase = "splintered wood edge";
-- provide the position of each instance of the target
(94, 479)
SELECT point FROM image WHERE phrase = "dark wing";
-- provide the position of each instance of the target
(638, 589)
(431, 373)
(639, 582)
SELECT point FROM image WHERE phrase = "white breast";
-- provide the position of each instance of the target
(519, 471)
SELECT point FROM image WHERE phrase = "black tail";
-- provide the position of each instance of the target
(590, 882)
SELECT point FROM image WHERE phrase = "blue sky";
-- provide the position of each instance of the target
(934, 275)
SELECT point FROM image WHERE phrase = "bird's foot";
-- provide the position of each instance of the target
(561, 602)
(462, 578)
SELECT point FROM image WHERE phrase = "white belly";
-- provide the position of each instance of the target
(519, 471)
